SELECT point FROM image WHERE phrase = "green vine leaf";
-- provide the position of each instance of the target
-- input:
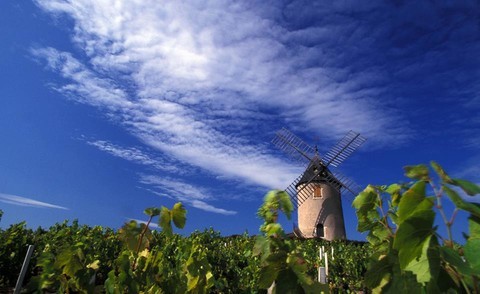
(394, 190)
(441, 173)
(455, 260)
(129, 235)
(378, 271)
(413, 199)
(179, 215)
(286, 204)
(262, 246)
(268, 274)
(365, 204)
(152, 211)
(412, 235)
(473, 208)
(165, 221)
(69, 261)
(417, 172)
(427, 267)
(470, 188)
(274, 229)
(472, 247)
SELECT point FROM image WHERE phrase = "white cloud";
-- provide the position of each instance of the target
(184, 192)
(135, 155)
(23, 201)
(193, 80)
(86, 86)
(175, 188)
(207, 53)
(207, 207)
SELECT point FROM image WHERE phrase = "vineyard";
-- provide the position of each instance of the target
(95, 251)
(404, 251)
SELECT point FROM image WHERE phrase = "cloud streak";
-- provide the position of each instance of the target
(135, 155)
(216, 59)
(208, 83)
(187, 193)
(23, 201)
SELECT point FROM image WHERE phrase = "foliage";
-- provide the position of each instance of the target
(69, 257)
(144, 267)
(234, 267)
(409, 256)
(282, 264)
(73, 257)
(346, 267)
(12, 252)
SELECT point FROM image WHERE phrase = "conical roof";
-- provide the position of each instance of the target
(311, 174)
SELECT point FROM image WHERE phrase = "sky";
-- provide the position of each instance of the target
(109, 107)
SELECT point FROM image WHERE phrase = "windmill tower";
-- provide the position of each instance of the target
(317, 192)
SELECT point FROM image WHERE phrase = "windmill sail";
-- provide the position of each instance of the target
(343, 149)
(293, 146)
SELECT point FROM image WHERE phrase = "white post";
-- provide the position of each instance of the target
(23, 271)
(322, 276)
(321, 269)
(326, 264)
(270, 290)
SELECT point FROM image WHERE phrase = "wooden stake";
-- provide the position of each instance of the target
(23, 271)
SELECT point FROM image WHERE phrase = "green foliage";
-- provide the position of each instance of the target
(177, 215)
(346, 270)
(146, 268)
(69, 257)
(281, 263)
(198, 270)
(408, 256)
(72, 258)
(13, 247)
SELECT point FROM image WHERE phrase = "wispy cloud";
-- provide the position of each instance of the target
(216, 62)
(207, 207)
(23, 201)
(136, 155)
(85, 85)
(174, 129)
(198, 81)
(187, 193)
(175, 189)
(197, 86)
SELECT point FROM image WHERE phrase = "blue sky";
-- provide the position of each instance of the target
(109, 107)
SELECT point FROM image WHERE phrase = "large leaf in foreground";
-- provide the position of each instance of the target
(179, 215)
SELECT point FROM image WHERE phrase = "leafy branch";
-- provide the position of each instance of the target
(282, 266)
(408, 255)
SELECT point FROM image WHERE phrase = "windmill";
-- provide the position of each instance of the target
(316, 192)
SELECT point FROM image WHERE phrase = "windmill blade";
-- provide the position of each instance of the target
(293, 146)
(292, 190)
(347, 184)
(343, 149)
(337, 180)
(342, 183)
(299, 196)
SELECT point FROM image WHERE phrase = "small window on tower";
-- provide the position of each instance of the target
(317, 192)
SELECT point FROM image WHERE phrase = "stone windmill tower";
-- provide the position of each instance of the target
(316, 193)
